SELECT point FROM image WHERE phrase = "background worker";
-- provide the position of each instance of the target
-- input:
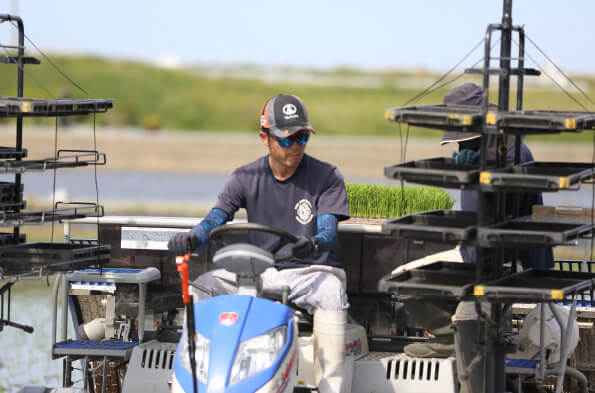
(468, 154)
(289, 190)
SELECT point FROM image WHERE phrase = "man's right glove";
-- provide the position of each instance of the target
(304, 247)
(178, 244)
(465, 157)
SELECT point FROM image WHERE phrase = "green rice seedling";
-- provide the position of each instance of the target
(387, 201)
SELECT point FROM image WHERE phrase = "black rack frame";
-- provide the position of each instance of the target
(485, 120)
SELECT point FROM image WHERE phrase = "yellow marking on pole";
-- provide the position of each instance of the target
(570, 122)
(485, 177)
(491, 119)
(564, 182)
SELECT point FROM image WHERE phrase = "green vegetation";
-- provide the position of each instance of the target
(343, 101)
(384, 201)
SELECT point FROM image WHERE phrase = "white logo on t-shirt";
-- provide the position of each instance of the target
(304, 211)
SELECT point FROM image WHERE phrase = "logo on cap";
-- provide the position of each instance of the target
(228, 318)
(290, 111)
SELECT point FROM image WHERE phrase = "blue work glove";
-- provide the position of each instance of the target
(465, 157)
(304, 247)
(178, 243)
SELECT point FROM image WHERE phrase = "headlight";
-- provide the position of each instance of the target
(257, 354)
(201, 355)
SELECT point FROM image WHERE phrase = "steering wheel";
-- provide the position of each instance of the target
(219, 238)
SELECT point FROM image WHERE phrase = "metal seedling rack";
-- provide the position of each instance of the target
(16, 258)
(500, 227)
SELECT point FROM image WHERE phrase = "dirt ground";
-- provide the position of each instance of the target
(210, 152)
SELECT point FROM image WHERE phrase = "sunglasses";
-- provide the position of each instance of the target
(301, 138)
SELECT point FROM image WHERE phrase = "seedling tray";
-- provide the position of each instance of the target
(9, 239)
(18, 106)
(51, 257)
(541, 122)
(10, 199)
(537, 176)
(439, 172)
(443, 117)
(11, 152)
(530, 232)
(64, 159)
(78, 210)
(446, 226)
(439, 279)
(536, 286)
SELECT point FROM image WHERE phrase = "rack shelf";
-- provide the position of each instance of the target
(36, 258)
(38, 217)
(77, 158)
(467, 118)
(27, 107)
(443, 117)
(536, 286)
(446, 226)
(537, 176)
(530, 232)
(439, 279)
(439, 172)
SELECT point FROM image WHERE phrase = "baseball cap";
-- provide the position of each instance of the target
(284, 115)
(466, 94)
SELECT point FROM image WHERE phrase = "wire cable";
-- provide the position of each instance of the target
(430, 88)
(52, 63)
(560, 70)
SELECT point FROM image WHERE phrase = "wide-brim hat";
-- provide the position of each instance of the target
(466, 94)
(284, 115)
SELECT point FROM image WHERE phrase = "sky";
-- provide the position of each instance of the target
(370, 34)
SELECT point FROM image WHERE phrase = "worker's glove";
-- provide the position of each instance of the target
(182, 242)
(304, 247)
(465, 157)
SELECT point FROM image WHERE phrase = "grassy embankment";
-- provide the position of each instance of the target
(151, 97)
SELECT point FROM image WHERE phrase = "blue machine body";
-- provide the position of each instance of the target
(255, 316)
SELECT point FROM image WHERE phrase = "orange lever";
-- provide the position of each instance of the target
(182, 265)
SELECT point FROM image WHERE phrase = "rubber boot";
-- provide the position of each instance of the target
(470, 370)
(329, 332)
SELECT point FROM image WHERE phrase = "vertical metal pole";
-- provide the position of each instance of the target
(19, 136)
(142, 291)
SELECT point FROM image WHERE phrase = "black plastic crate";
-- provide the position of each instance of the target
(443, 117)
(439, 279)
(530, 232)
(536, 286)
(51, 257)
(439, 172)
(537, 176)
(445, 226)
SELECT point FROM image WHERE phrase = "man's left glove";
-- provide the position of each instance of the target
(178, 243)
(304, 247)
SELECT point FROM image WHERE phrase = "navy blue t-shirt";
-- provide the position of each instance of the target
(530, 257)
(293, 205)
